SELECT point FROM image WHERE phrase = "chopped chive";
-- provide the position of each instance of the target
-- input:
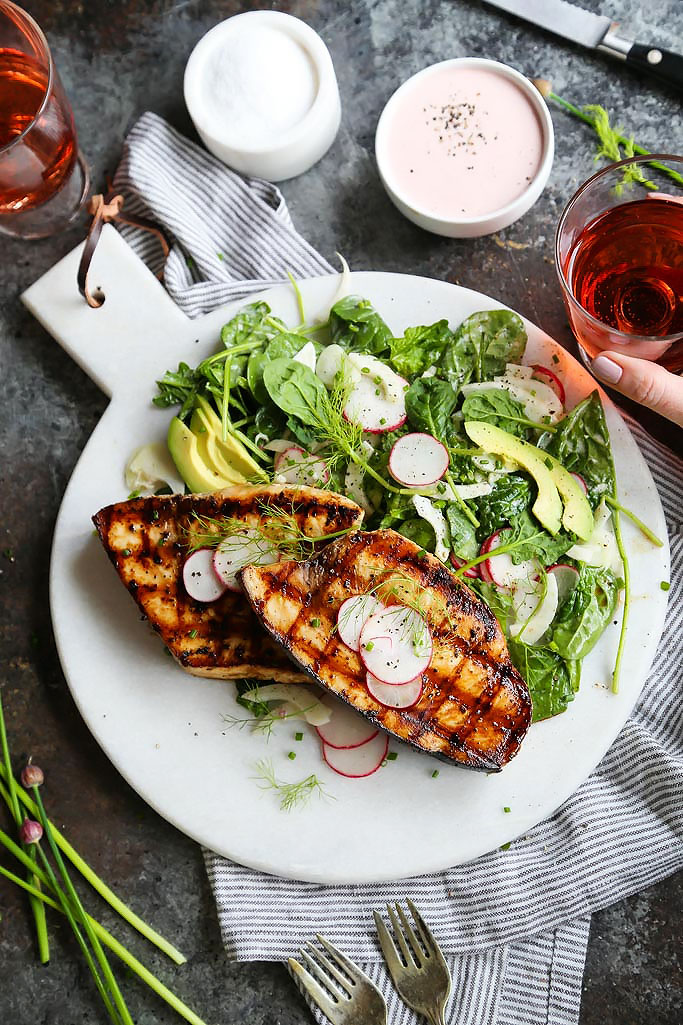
(192, 634)
(219, 255)
(556, 358)
(365, 370)
(435, 773)
(392, 756)
(369, 646)
(125, 552)
(506, 846)
(382, 421)
(506, 809)
(665, 585)
(155, 514)
(315, 622)
(291, 756)
(298, 736)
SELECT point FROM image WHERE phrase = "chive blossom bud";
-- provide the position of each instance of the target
(31, 831)
(32, 776)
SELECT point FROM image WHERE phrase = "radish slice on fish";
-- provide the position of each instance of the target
(201, 582)
(345, 728)
(356, 762)
(295, 466)
(395, 645)
(546, 376)
(418, 460)
(352, 615)
(472, 572)
(567, 578)
(391, 696)
(500, 569)
(238, 551)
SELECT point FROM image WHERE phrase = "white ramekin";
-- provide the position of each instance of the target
(303, 144)
(483, 224)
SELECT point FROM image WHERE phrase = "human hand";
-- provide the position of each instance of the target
(642, 381)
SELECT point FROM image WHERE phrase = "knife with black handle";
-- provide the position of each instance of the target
(599, 33)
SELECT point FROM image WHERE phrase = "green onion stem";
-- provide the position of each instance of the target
(80, 912)
(225, 413)
(461, 502)
(616, 516)
(12, 798)
(621, 139)
(110, 941)
(87, 954)
(649, 534)
(98, 884)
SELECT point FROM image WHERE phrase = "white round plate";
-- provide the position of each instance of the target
(164, 730)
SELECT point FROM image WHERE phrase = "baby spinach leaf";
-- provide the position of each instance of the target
(483, 344)
(581, 443)
(419, 531)
(511, 495)
(356, 325)
(250, 319)
(530, 541)
(582, 618)
(296, 390)
(551, 682)
(282, 344)
(420, 348)
(429, 404)
(497, 407)
(463, 538)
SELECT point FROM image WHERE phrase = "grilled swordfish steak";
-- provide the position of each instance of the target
(148, 540)
(475, 708)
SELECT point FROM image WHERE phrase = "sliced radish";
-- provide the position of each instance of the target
(371, 411)
(472, 572)
(567, 578)
(352, 615)
(345, 729)
(418, 460)
(545, 375)
(391, 696)
(534, 610)
(355, 762)
(296, 466)
(233, 554)
(579, 479)
(500, 569)
(201, 582)
(395, 645)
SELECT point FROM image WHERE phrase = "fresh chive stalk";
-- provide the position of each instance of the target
(12, 798)
(642, 527)
(95, 881)
(616, 516)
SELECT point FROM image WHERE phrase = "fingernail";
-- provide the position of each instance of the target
(606, 369)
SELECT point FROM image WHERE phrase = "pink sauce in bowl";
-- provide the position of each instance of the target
(465, 147)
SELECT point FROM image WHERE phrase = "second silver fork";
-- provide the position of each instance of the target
(415, 962)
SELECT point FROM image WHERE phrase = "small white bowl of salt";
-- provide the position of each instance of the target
(261, 90)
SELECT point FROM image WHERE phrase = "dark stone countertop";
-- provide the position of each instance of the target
(118, 58)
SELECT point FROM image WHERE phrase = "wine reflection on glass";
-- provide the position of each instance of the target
(619, 258)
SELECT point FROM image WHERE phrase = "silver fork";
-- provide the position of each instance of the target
(417, 968)
(340, 989)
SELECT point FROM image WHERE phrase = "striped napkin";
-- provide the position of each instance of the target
(513, 924)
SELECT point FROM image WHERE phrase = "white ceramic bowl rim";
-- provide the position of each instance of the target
(296, 29)
(529, 90)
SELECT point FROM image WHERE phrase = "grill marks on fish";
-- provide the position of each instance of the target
(475, 708)
(147, 541)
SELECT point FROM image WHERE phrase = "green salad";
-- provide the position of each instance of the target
(446, 436)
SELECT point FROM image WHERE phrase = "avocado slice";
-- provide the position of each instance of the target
(209, 452)
(233, 451)
(548, 505)
(578, 515)
(182, 444)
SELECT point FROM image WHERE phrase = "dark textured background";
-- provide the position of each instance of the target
(118, 58)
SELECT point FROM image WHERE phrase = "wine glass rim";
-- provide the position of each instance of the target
(50, 72)
(646, 158)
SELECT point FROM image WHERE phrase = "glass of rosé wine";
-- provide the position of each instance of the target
(619, 258)
(43, 178)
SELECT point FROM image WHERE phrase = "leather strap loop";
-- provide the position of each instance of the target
(105, 210)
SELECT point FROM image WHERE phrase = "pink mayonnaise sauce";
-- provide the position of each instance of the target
(461, 142)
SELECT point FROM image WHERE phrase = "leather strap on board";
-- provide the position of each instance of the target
(105, 210)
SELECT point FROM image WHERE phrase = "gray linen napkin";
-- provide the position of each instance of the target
(513, 924)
